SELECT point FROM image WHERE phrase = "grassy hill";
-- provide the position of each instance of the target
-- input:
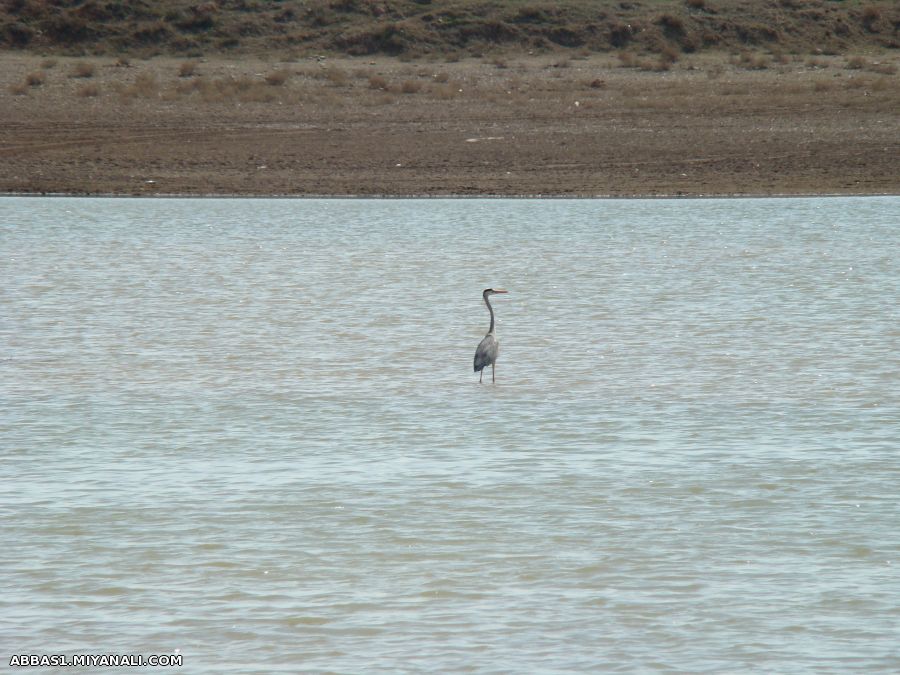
(418, 28)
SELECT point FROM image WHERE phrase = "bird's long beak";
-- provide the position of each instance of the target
(500, 290)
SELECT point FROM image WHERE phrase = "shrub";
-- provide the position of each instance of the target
(883, 68)
(672, 25)
(35, 79)
(780, 57)
(669, 53)
(88, 90)
(18, 89)
(336, 76)
(144, 86)
(871, 15)
(47, 64)
(621, 34)
(410, 87)
(658, 66)
(752, 61)
(627, 59)
(883, 84)
(20, 34)
(856, 62)
(715, 71)
(446, 92)
(83, 69)
(187, 69)
(377, 82)
(256, 93)
(68, 28)
(278, 77)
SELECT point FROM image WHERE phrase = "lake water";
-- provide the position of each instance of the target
(248, 432)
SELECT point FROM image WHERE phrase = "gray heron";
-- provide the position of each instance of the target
(488, 348)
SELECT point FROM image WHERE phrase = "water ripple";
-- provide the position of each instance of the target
(248, 430)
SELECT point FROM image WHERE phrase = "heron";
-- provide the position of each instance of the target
(488, 348)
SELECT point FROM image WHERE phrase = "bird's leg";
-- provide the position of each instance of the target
(493, 375)
(480, 375)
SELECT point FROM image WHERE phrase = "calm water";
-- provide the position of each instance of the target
(248, 432)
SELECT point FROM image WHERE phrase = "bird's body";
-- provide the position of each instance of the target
(488, 349)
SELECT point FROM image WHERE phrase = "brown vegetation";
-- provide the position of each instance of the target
(422, 28)
(83, 69)
(35, 79)
(704, 124)
(278, 77)
(187, 69)
(88, 90)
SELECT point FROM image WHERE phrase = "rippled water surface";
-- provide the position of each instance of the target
(249, 432)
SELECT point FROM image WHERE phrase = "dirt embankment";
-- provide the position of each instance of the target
(593, 125)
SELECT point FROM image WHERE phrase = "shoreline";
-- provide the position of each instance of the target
(426, 197)
(530, 127)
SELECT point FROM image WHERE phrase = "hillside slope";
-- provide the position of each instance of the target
(455, 27)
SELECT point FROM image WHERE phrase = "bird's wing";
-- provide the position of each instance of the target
(486, 352)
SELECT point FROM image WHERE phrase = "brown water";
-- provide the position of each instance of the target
(248, 432)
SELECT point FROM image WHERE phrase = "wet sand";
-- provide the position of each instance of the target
(518, 126)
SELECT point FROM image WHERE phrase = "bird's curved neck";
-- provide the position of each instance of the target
(491, 310)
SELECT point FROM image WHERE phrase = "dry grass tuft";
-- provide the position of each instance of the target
(669, 53)
(377, 82)
(35, 79)
(385, 99)
(90, 90)
(257, 93)
(226, 90)
(278, 77)
(860, 63)
(19, 89)
(752, 61)
(145, 85)
(410, 87)
(337, 76)
(441, 78)
(871, 16)
(83, 69)
(715, 71)
(884, 84)
(446, 92)
(187, 69)
(47, 64)
(628, 59)
(883, 68)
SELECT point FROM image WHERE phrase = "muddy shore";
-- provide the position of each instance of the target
(592, 126)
